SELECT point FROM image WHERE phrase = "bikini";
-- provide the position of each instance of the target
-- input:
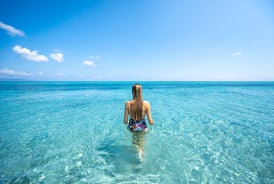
(137, 125)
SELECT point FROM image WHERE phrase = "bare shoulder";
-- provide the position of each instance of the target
(146, 103)
(128, 102)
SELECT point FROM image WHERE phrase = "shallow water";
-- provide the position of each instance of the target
(73, 132)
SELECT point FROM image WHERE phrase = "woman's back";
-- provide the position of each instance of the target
(137, 109)
(145, 111)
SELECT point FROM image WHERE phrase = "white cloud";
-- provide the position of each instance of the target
(11, 30)
(89, 63)
(57, 56)
(237, 53)
(12, 72)
(29, 55)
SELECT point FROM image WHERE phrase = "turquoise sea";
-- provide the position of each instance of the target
(73, 132)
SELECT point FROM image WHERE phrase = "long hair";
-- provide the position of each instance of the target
(137, 105)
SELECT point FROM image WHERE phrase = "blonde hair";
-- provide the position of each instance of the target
(136, 106)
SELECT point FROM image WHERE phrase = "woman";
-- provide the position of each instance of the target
(137, 109)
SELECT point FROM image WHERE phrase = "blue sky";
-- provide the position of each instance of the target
(219, 40)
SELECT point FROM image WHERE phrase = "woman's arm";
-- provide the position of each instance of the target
(149, 116)
(126, 113)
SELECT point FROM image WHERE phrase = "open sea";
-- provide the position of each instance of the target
(73, 132)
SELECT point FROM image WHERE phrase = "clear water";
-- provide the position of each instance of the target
(73, 132)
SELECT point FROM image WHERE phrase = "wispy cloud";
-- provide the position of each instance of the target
(94, 57)
(40, 73)
(237, 53)
(6, 71)
(59, 57)
(60, 74)
(11, 30)
(29, 55)
(89, 63)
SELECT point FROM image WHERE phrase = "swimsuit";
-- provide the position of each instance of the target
(137, 125)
